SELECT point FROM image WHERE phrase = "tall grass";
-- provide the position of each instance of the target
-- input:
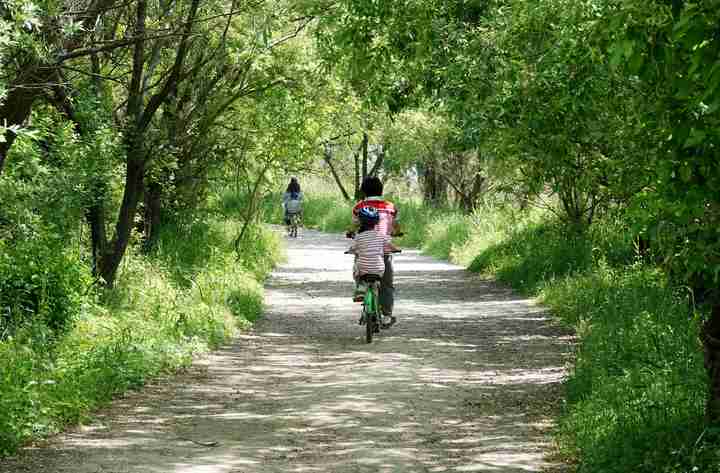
(638, 384)
(636, 391)
(189, 297)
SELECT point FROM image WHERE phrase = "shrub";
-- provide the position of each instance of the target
(636, 391)
(40, 281)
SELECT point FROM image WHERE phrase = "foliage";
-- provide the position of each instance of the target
(638, 373)
(674, 52)
(638, 383)
(41, 282)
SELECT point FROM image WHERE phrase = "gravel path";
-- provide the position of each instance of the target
(468, 380)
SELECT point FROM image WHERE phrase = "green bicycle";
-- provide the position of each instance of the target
(371, 315)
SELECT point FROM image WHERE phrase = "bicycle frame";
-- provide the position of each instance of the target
(371, 302)
(371, 316)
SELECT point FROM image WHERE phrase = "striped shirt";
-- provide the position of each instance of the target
(369, 247)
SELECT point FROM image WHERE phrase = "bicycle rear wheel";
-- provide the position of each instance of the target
(293, 227)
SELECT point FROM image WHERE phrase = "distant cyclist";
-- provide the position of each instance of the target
(292, 200)
(372, 190)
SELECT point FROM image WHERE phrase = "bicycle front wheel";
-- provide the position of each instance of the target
(370, 323)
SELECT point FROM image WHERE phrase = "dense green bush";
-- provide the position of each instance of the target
(638, 384)
(40, 281)
(635, 395)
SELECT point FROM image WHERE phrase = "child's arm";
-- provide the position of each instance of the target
(389, 247)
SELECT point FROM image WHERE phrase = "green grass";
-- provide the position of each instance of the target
(190, 296)
(638, 384)
(635, 395)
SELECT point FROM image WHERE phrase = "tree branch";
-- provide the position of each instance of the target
(171, 83)
(91, 74)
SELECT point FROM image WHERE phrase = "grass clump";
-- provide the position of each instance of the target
(638, 384)
(635, 395)
(187, 298)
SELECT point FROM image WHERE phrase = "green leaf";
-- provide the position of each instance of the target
(685, 173)
(636, 63)
(696, 138)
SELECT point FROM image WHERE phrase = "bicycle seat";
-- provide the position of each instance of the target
(371, 278)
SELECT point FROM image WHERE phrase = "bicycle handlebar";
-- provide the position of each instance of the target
(394, 235)
(352, 253)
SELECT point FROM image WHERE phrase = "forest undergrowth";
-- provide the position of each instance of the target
(188, 296)
(634, 397)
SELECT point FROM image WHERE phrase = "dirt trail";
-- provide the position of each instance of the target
(466, 381)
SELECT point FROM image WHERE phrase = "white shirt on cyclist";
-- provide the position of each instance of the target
(369, 247)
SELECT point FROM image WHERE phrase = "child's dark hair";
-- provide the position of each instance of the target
(294, 186)
(367, 226)
(371, 186)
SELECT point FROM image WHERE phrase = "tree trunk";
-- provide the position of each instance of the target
(357, 182)
(95, 215)
(152, 216)
(251, 209)
(472, 196)
(327, 157)
(364, 156)
(434, 187)
(110, 261)
(379, 159)
(711, 341)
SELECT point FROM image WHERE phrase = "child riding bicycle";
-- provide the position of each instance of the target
(369, 249)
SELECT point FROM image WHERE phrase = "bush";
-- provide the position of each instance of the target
(635, 395)
(40, 282)
(638, 384)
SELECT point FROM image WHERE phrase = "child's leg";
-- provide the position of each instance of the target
(360, 288)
